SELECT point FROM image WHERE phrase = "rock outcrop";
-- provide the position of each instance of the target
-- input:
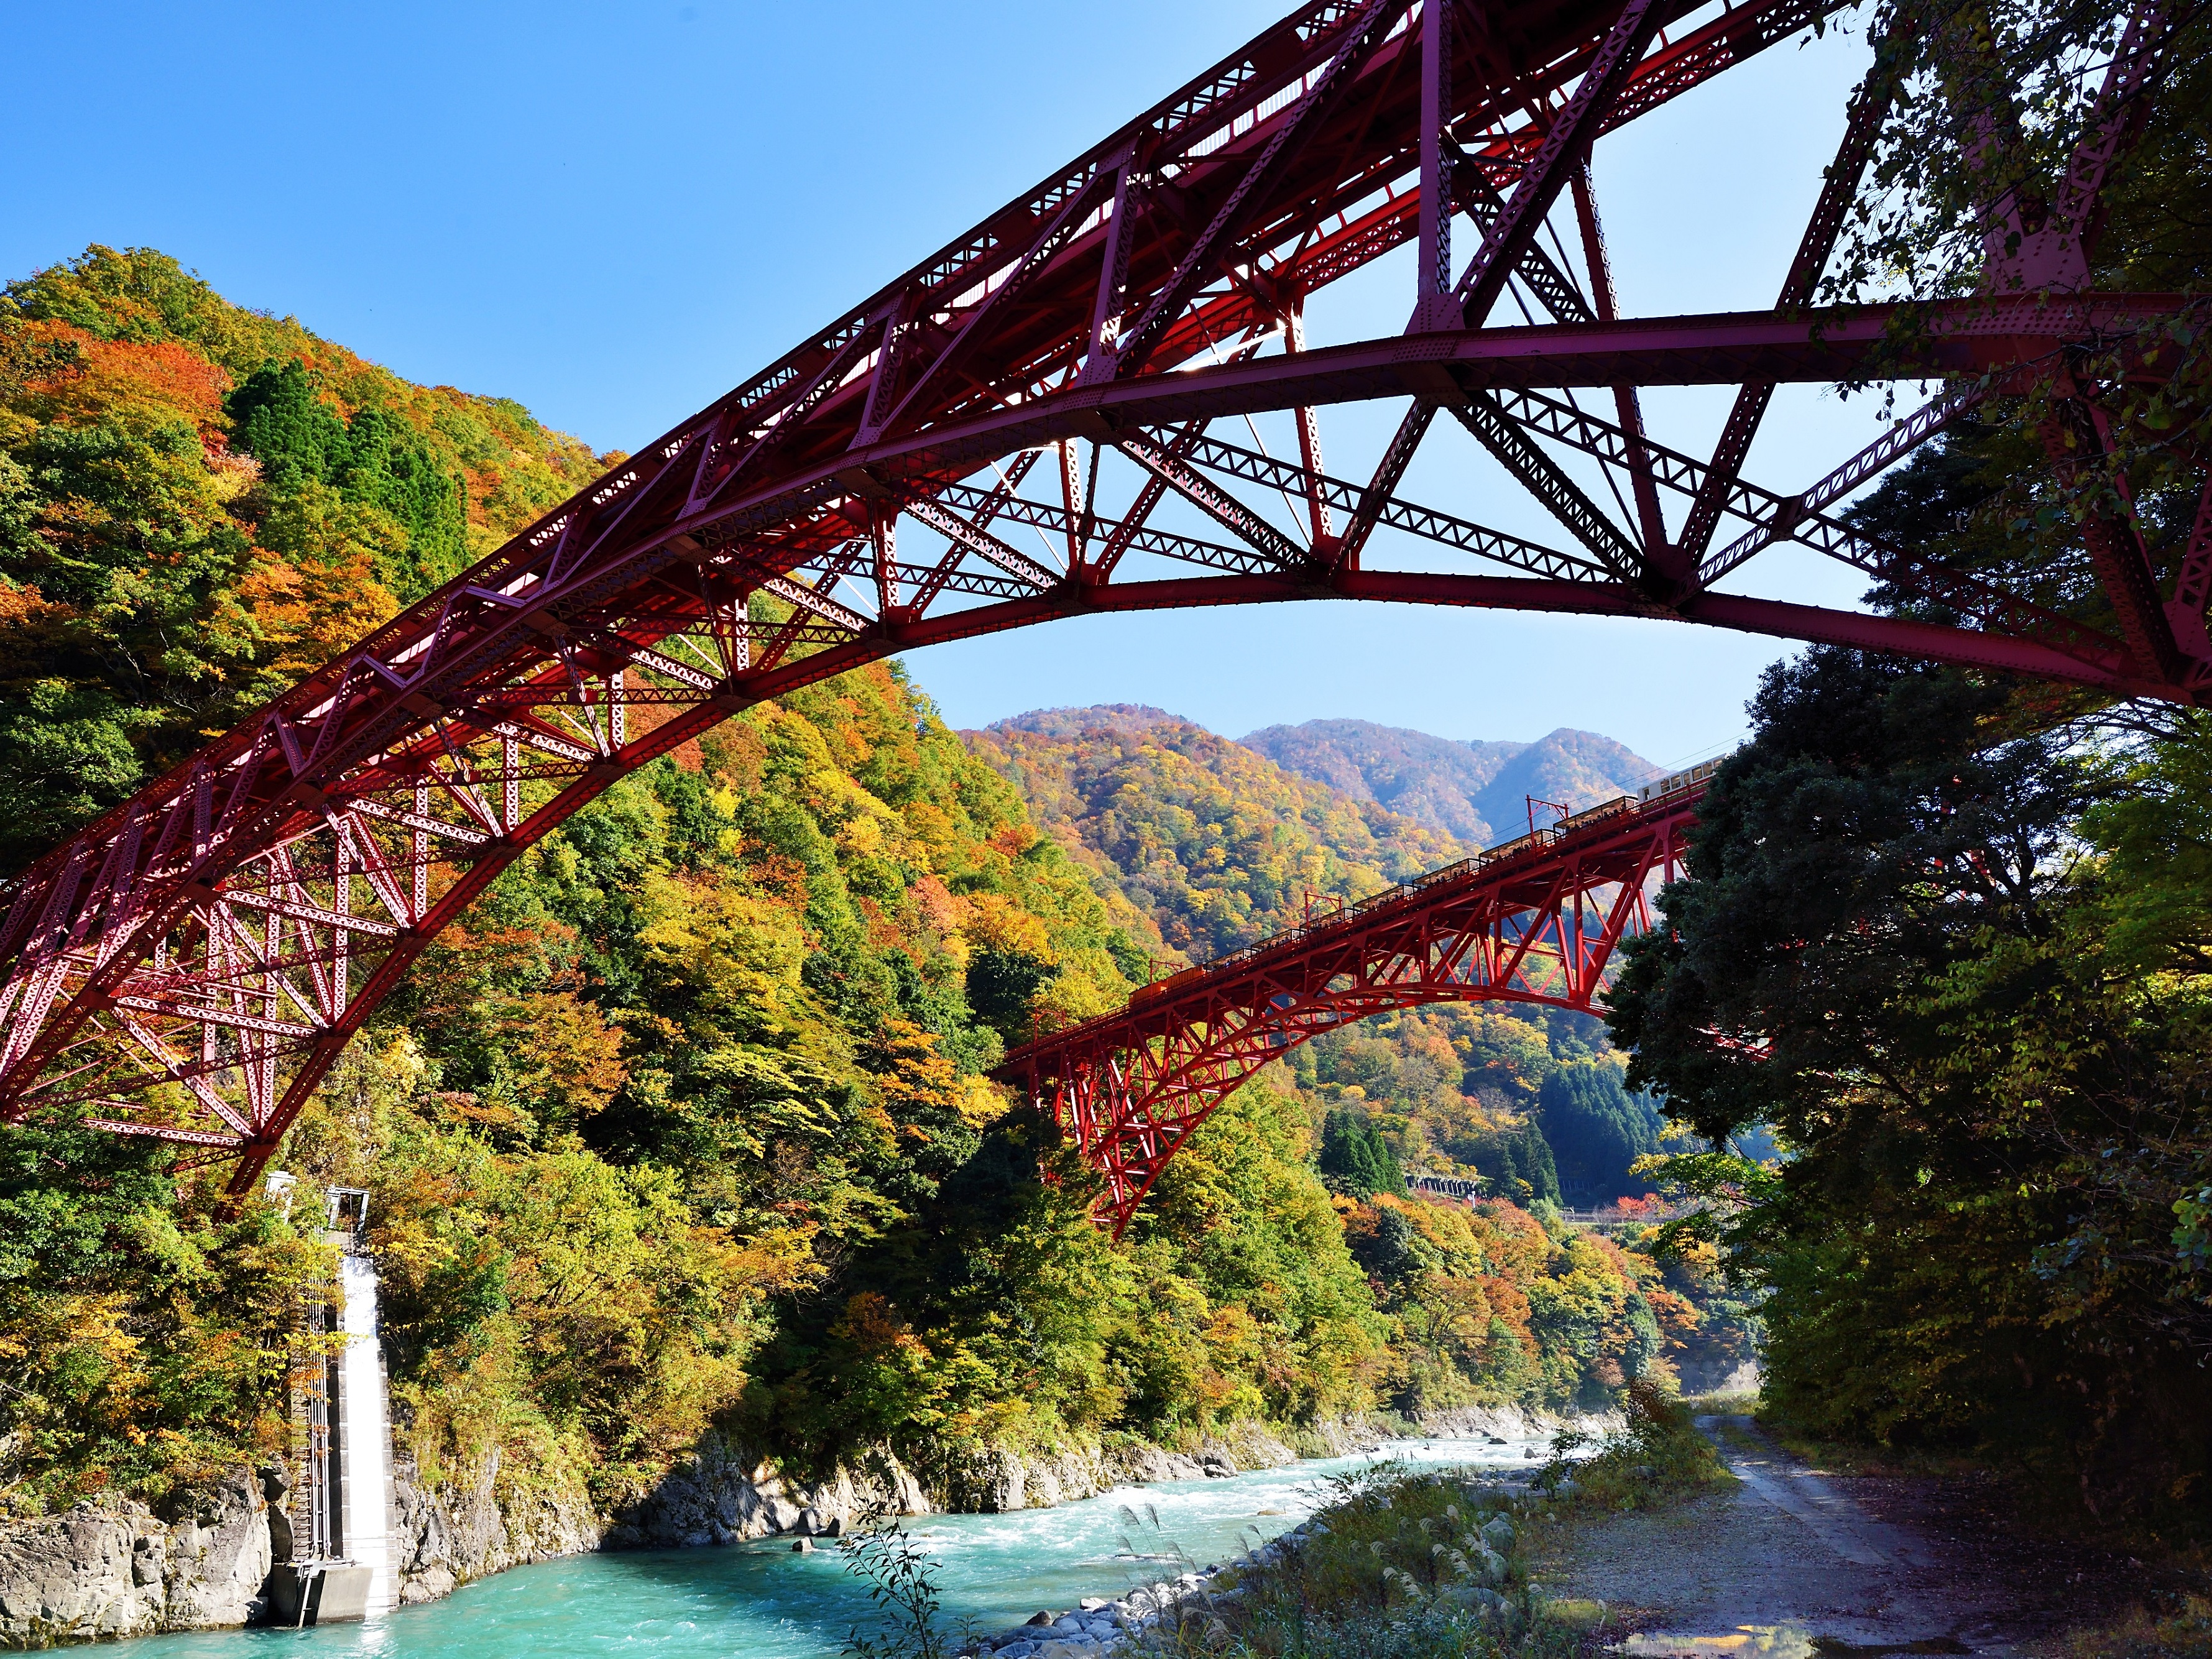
(197, 1561)
(449, 1534)
(721, 1494)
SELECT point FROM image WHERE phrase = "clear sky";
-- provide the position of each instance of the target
(613, 213)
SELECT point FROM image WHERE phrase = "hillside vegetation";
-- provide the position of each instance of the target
(686, 1121)
(1215, 844)
(199, 503)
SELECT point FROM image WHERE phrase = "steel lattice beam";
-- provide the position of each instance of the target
(188, 966)
(1536, 920)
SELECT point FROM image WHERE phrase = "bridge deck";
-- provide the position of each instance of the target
(1535, 921)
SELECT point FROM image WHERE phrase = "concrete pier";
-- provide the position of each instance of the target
(365, 1439)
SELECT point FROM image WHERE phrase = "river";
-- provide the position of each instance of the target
(761, 1601)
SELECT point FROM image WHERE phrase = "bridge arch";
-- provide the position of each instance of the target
(188, 965)
(1534, 922)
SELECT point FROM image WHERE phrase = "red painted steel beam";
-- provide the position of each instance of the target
(1750, 615)
(1961, 337)
(218, 939)
(1535, 921)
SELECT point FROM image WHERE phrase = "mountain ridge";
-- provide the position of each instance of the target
(1213, 843)
(1473, 790)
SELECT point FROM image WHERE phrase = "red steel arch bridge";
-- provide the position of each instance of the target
(1035, 423)
(1535, 921)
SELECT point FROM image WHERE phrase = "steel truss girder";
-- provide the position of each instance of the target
(248, 911)
(1535, 922)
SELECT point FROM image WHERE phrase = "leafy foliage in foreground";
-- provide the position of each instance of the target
(1965, 970)
(902, 1586)
(1402, 1566)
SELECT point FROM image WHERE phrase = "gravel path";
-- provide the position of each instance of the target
(1799, 1564)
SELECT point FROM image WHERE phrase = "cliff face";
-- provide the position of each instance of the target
(197, 1562)
(447, 1535)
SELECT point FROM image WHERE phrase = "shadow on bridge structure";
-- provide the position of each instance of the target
(1032, 423)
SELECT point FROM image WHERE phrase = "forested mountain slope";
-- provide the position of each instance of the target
(1477, 790)
(1217, 844)
(198, 503)
(1213, 842)
(686, 1121)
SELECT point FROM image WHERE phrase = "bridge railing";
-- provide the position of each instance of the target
(1660, 792)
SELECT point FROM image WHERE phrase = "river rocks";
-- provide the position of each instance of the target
(1100, 1628)
(125, 1569)
(1498, 1424)
(1168, 1615)
(447, 1535)
(1147, 1465)
(1083, 1634)
(721, 1495)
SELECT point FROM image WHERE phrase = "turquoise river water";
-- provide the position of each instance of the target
(760, 1601)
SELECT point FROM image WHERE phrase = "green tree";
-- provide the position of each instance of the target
(278, 417)
(1897, 946)
(1354, 1160)
(1595, 1128)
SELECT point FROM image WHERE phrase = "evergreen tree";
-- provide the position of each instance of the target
(1595, 1128)
(276, 418)
(1354, 1160)
(1992, 1087)
(1521, 1159)
(376, 460)
(390, 468)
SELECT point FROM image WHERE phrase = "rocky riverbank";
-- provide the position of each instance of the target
(196, 1561)
(725, 1494)
(199, 1560)
(1151, 1615)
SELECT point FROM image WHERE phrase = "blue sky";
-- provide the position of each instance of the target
(611, 214)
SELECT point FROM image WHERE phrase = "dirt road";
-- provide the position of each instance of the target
(1797, 1563)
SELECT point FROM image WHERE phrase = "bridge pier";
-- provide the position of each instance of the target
(341, 1563)
(364, 1429)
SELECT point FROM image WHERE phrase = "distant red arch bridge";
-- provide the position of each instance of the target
(1536, 921)
(1060, 413)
